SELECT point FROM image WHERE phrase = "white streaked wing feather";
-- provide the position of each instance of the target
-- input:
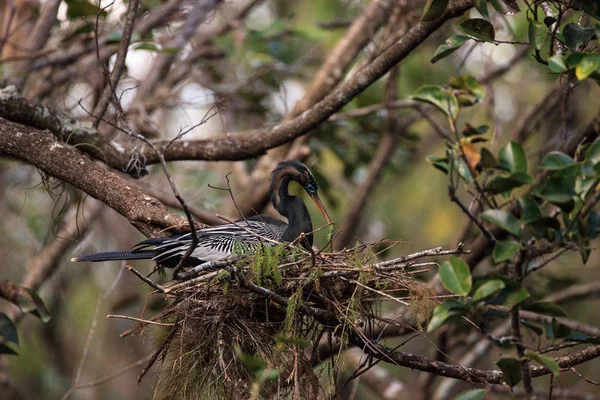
(217, 243)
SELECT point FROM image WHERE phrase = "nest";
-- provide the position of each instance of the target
(241, 328)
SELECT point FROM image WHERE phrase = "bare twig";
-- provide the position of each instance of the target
(109, 91)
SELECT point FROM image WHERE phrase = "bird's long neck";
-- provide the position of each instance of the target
(294, 209)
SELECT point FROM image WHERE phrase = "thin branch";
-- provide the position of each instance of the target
(143, 321)
(149, 282)
(109, 377)
(109, 91)
(385, 151)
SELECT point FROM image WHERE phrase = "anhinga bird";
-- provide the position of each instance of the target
(219, 242)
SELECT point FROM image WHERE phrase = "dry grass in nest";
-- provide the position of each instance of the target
(241, 329)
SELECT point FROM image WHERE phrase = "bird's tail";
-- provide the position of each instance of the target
(117, 255)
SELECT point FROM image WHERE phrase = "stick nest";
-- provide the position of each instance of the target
(245, 328)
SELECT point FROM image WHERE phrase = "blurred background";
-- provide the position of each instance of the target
(246, 66)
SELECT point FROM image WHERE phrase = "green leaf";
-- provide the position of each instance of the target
(544, 360)
(556, 330)
(81, 8)
(546, 308)
(575, 170)
(530, 211)
(504, 220)
(30, 301)
(584, 185)
(488, 160)
(512, 158)
(440, 163)
(593, 153)
(452, 44)
(439, 97)
(479, 29)
(268, 374)
(499, 184)
(253, 364)
(580, 337)
(504, 250)
(4, 349)
(85, 28)
(511, 370)
(292, 341)
(575, 35)
(470, 130)
(481, 6)
(557, 63)
(456, 276)
(472, 394)
(434, 9)
(487, 289)
(593, 222)
(147, 46)
(555, 160)
(114, 36)
(443, 312)
(8, 329)
(511, 296)
(574, 58)
(538, 331)
(469, 84)
(560, 189)
(545, 222)
(464, 171)
(538, 32)
(506, 7)
(589, 64)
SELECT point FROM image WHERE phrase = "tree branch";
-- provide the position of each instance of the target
(41, 149)
(474, 375)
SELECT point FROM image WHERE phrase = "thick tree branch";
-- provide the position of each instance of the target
(255, 142)
(339, 60)
(239, 146)
(15, 108)
(441, 368)
(42, 150)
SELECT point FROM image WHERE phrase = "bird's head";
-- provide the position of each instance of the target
(294, 170)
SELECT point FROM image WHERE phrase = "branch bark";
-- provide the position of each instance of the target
(41, 149)
(473, 375)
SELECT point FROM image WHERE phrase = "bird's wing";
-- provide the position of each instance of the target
(215, 243)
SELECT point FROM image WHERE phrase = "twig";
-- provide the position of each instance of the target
(146, 280)
(109, 91)
(588, 380)
(104, 379)
(385, 150)
(92, 330)
(158, 352)
(143, 321)
(488, 234)
(438, 251)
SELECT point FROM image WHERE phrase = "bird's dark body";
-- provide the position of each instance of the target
(219, 242)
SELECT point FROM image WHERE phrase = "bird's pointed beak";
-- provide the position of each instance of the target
(321, 208)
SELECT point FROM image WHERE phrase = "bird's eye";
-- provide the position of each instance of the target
(311, 189)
